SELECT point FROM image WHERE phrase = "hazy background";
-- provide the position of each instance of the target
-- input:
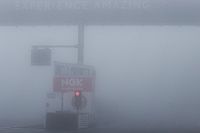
(147, 76)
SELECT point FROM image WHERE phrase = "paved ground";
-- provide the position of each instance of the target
(33, 130)
(17, 127)
(96, 130)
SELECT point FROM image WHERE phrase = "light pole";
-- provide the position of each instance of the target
(81, 44)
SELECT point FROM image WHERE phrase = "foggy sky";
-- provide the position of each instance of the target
(146, 75)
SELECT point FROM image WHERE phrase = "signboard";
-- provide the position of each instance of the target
(99, 12)
(71, 77)
(73, 83)
(41, 57)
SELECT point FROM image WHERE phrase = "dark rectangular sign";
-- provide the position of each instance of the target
(99, 12)
(41, 57)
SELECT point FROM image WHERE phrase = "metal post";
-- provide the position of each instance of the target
(80, 44)
(80, 55)
(62, 101)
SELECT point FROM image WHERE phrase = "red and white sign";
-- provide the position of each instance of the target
(72, 77)
(66, 84)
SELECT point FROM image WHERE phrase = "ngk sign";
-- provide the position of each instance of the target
(73, 83)
(71, 77)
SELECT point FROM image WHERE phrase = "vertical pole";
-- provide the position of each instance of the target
(62, 101)
(80, 44)
(80, 57)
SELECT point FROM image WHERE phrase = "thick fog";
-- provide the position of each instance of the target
(147, 76)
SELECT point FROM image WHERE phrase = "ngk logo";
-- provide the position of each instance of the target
(73, 83)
